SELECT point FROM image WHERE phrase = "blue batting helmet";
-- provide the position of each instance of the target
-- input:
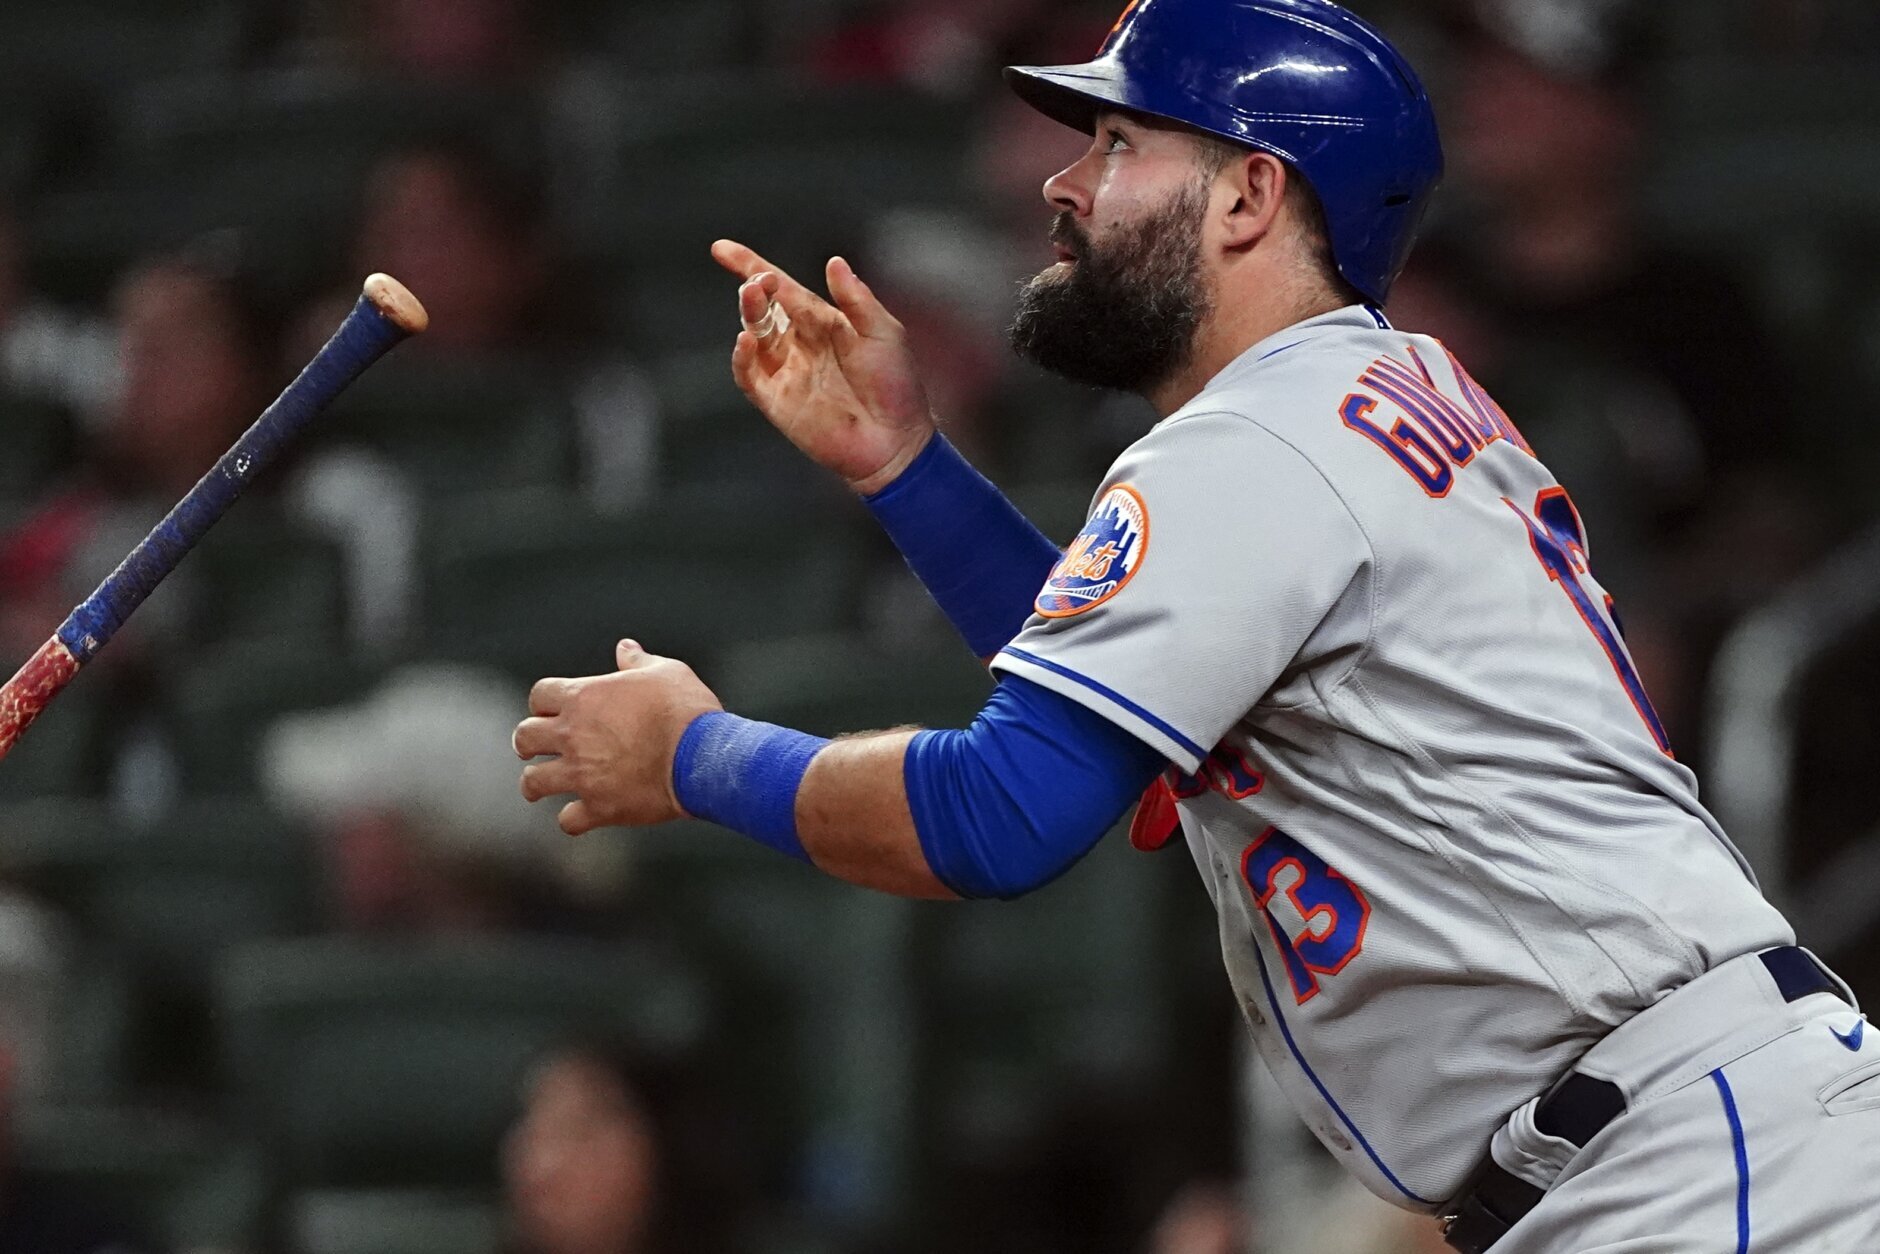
(1306, 80)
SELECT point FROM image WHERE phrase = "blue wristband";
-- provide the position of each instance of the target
(980, 558)
(744, 775)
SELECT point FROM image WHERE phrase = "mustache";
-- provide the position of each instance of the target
(1125, 316)
(1066, 233)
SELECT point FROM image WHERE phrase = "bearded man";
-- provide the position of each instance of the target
(1335, 622)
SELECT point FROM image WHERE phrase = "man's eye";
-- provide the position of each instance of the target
(1116, 141)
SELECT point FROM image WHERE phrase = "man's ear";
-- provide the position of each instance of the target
(1258, 182)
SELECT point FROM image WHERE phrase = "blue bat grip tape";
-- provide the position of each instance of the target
(362, 339)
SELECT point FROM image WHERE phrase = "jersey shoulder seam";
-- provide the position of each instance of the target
(1370, 633)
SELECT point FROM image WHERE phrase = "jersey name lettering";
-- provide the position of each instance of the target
(1435, 436)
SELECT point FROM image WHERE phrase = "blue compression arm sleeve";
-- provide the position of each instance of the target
(981, 560)
(1012, 802)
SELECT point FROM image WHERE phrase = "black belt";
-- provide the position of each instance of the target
(1575, 1110)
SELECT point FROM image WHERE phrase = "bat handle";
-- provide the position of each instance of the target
(385, 314)
(28, 693)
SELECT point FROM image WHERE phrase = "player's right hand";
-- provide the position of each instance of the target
(840, 381)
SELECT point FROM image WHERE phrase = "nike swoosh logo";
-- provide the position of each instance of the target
(1852, 1038)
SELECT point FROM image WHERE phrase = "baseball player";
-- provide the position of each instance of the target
(1338, 620)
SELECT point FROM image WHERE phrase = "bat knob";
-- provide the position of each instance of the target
(394, 300)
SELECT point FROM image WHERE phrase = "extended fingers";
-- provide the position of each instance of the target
(743, 358)
(576, 819)
(805, 308)
(754, 297)
(764, 282)
(537, 737)
(764, 319)
(747, 265)
(549, 696)
(741, 261)
(545, 779)
(857, 301)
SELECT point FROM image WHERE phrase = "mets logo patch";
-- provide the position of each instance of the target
(1105, 555)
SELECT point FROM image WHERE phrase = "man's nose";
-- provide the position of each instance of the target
(1068, 191)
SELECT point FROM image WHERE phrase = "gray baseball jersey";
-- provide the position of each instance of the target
(1448, 843)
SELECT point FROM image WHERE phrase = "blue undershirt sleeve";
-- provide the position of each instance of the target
(1012, 802)
(980, 559)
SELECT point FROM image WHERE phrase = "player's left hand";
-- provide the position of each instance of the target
(609, 740)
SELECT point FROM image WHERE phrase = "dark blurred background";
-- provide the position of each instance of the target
(285, 963)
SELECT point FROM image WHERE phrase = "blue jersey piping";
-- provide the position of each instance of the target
(1110, 693)
(1325, 1093)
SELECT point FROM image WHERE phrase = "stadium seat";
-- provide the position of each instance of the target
(818, 996)
(853, 153)
(65, 1003)
(709, 434)
(1751, 184)
(1016, 1006)
(459, 426)
(683, 306)
(1036, 1000)
(648, 40)
(1052, 441)
(1704, 96)
(531, 585)
(393, 1221)
(61, 48)
(217, 706)
(264, 577)
(1756, 28)
(27, 122)
(213, 121)
(180, 1180)
(1057, 507)
(216, 873)
(96, 1060)
(38, 435)
(161, 902)
(837, 682)
(396, 1065)
(704, 117)
(281, 157)
(63, 754)
(63, 846)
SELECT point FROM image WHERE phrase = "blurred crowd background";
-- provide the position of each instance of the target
(286, 964)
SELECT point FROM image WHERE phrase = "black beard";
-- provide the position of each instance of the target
(1123, 316)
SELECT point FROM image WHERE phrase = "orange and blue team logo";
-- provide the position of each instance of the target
(1106, 554)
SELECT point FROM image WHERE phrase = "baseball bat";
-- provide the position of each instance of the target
(386, 314)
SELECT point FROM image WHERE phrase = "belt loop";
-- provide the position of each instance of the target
(1796, 973)
(1579, 1108)
(1842, 988)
